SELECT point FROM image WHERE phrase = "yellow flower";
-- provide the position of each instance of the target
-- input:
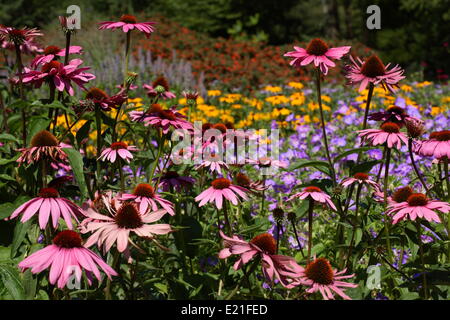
(296, 85)
(406, 88)
(276, 100)
(214, 93)
(326, 98)
(435, 111)
(423, 84)
(236, 106)
(230, 98)
(273, 89)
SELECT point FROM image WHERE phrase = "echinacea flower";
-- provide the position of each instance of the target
(395, 114)
(266, 162)
(417, 205)
(123, 219)
(438, 145)
(221, 188)
(190, 96)
(60, 75)
(372, 70)
(100, 98)
(165, 119)
(244, 181)
(389, 133)
(318, 52)
(360, 178)
(316, 194)
(171, 179)
(18, 36)
(43, 145)
(52, 53)
(127, 23)
(64, 257)
(146, 197)
(48, 203)
(399, 195)
(117, 150)
(283, 268)
(320, 276)
(213, 163)
(159, 88)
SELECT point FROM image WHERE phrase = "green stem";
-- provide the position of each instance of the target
(324, 133)
(422, 259)
(297, 238)
(227, 221)
(386, 218)
(310, 226)
(366, 113)
(108, 295)
(21, 92)
(411, 156)
(369, 99)
(127, 58)
(98, 120)
(350, 249)
(447, 177)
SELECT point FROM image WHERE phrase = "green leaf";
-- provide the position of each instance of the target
(7, 177)
(36, 125)
(29, 285)
(11, 280)
(322, 166)
(76, 162)
(83, 132)
(59, 106)
(352, 151)
(6, 209)
(364, 166)
(4, 162)
(8, 137)
(20, 231)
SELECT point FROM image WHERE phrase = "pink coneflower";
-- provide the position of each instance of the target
(316, 194)
(171, 179)
(221, 188)
(388, 133)
(61, 76)
(18, 36)
(244, 181)
(320, 276)
(360, 178)
(145, 195)
(158, 117)
(318, 52)
(417, 205)
(43, 145)
(52, 53)
(159, 88)
(213, 163)
(118, 149)
(374, 71)
(49, 203)
(127, 23)
(29, 47)
(266, 162)
(123, 219)
(190, 96)
(395, 114)
(264, 246)
(438, 145)
(65, 256)
(105, 102)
